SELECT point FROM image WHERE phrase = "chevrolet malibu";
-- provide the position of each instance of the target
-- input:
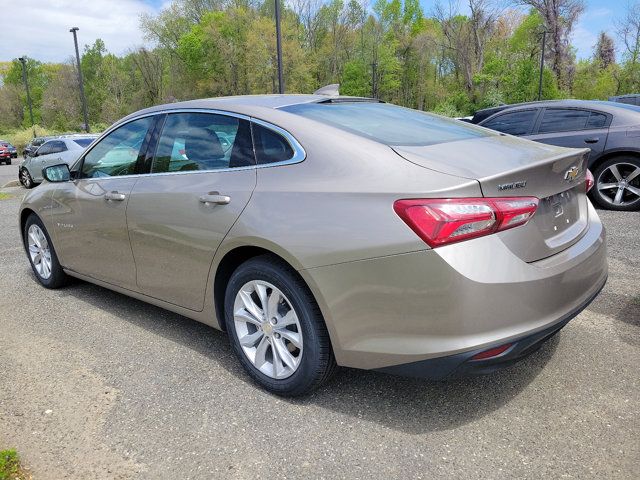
(320, 231)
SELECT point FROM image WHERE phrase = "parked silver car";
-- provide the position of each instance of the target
(65, 149)
(333, 231)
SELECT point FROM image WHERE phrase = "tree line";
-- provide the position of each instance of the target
(450, 60)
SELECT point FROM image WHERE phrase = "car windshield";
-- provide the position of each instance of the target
(83, 142)
(388, 124)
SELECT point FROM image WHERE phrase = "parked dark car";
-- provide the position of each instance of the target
(611, 130)
(33, 145)
(5, 154)
(632, 99)
(12, 150)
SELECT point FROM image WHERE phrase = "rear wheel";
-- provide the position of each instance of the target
(25, 178)
(276, 328)
(42, 255)
(617, 184)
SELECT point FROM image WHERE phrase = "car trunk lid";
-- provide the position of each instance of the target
(506, 166)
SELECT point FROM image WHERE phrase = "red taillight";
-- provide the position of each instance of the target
(442, 221)
(589, 181)
(492, 352)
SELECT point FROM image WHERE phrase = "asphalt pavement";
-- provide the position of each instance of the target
(96, 385)
(9, 173)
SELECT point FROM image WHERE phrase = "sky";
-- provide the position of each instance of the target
(43, 25)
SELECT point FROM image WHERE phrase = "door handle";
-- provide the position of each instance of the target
(214, 198)
(592, 140)
(114, 196)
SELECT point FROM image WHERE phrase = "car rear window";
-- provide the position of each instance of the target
(83, 142)
(388, 124)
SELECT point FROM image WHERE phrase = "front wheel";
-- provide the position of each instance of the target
(276, 327)
(617, 184)
(42, 256)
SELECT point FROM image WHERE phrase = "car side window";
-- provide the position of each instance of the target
(563, 120)
(57, 146)
(202, 141)
(117, 153)
(45, 149)
(513, 123)
(597, 120)
(270, 146)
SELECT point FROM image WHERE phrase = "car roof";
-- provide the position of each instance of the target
(613, 108)
(249, 104)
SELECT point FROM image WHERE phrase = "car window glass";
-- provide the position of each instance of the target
(45, 149)
(597, 120)
(563, 120)
(202, 141)
(513, 123)
(57, 146)
(117, 153)
(83, 142)
(270, 146)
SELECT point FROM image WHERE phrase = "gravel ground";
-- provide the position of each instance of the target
(97, 385)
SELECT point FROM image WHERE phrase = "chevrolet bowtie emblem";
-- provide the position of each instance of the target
(571, 174)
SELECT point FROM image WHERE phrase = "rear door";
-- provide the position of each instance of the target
(200, 179)
(574, 128)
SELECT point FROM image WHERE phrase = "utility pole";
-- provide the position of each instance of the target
(23, 61)
(374, 87)
(82, 97)
(279, 49)
(544, 40)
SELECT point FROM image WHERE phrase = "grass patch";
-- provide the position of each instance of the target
(10, 468)
(4, 196)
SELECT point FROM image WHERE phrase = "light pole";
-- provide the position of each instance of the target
(279, 49)
(23, 61)
(544, 40)
(82, 97)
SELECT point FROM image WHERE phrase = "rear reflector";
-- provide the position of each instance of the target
(589, 181)
(492, 352)
(442, 221)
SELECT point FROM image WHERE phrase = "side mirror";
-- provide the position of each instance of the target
(57, 173)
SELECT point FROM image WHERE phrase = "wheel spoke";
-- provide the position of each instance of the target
(261, 351)
(293, 337)
(34, 238)
(618, 198)
(605, 186)
(284, 354)
(615, 172)
(633, 174)
(261, 290)
(251, 339)
(634, 190)
(278, 368)
(272, 305)
(243, 315)
(290, 318)
(250, 305)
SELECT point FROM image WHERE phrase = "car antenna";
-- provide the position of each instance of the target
(332, 90)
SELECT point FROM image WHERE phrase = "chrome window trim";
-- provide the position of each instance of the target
(299, 153)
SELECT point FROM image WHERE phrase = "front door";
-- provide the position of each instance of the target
(201, 178)
(89, 214)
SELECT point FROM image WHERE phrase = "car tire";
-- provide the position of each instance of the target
(25, 179)
(299, 339)
(42, 256)
(622, 173)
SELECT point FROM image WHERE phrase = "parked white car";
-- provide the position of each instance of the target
(65, 149)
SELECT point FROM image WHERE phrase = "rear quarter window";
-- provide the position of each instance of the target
(270, 146)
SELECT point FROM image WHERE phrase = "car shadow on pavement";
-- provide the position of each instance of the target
(411, 405)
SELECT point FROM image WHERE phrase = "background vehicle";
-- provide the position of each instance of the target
(12, 150)
(333, 231)
(633, 99)
(610, 130)
(59, 150)
(33, 145)
(5, 154)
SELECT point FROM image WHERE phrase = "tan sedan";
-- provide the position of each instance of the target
(328, 230)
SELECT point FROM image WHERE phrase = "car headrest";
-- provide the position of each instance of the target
(202, 146)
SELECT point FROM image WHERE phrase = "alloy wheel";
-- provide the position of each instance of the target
(619, 184)
(39, 251)
(25, 178)
(268, 329)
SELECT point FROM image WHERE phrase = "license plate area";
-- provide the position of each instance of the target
(558, 213)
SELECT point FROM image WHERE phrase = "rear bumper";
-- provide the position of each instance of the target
(464, 364)
(455, 300)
